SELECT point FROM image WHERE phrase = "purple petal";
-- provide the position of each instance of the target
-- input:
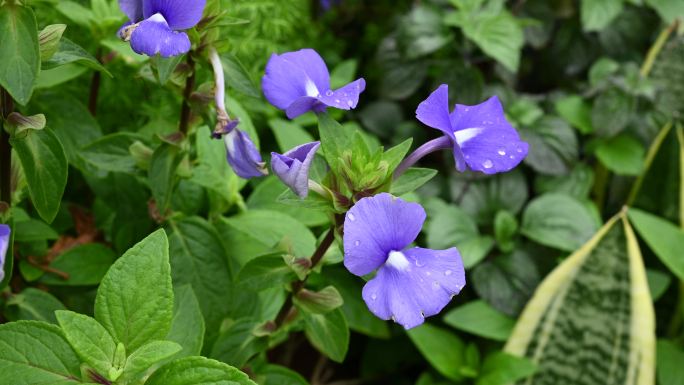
(132, 8)
(294, 75)
(346, 98)
(153, 36)
(243, 155)
(302, 106)
(376, 226)
(293, 167)
(488, 142)
(180, 14)
(5, 232)
(434, 111)
(415, 284)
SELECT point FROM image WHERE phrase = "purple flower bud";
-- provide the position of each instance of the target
(299, 82)
(5, 232)
(481, 138)
(243, 155)
(293, 166)
(155, 25)
(224, 129)
(411, 283)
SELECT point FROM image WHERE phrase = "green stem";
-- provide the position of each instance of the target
(650, 156)
(602, 174)
(6, 107)
(656, 48)
(299, 285)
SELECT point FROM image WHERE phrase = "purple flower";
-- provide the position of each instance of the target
(243, 155)
(5, 232)
(155, 25)
(293, 166)
(480, 136)
(411, 283)
(299, 82)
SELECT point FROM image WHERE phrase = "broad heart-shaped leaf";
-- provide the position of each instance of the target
(135, 299)
(33, 304)
(664, 238)
(328, 333)
(93, 344)
(196, 371)
(147, 355)
(45, 167)
(441, 348)
(36, 353)
(198, 258)
(559, 221)
(19, 51)
(597, 14)
(478, 318)
(596, 301)
(187, 328)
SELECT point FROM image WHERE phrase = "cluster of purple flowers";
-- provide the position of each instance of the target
(410, 283)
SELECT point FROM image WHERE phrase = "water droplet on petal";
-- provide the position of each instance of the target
(512, 157)
(435, 285)
(467, 156)
(487, 164)
(357, 243)
(448, 272)
(350, 103)
(520, 151)
(428, 273)
(374, 296)
(419, 264)
(351, 217)
(337, 101)
(502, 152)
(328, 93)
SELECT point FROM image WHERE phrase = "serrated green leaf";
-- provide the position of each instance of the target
(198, 370)
(146, 356)
(135, 299)
(91, 341)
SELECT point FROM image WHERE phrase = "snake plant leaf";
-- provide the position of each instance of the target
(591, 321)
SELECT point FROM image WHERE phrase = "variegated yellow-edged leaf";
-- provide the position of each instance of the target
(591, 321)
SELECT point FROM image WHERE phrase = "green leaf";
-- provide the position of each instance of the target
(135, 299)
(577, 184)
(37, 353)
(198, 370)
(70, 52)
(198, 258)
(500, 368)
(328, 333)
(289, 134)
(91, 341)
(505, 229)
(559, 221)
(265, 197)
(265, 272)
(441, 348)
(411, 180)
(421, 32)
(86, 265)
(658, 283)
(187, 327)
(597, 301)
(111, 152)
(598, 14)
(259, 232)
(280, 375)
(611, 112)
(45, 167)
(19, 50)
(478, 318)
(33, 230)
(238, 77)
(575, 111)
(162, 175)
(76, 13)
(483, 198)
(669, 10)
(141, 360)
(335, 139)
(166, 67)
(623, 154)
(238, 343)
(320, 302)
(664, 238)
(33, 305)
(670, 358)
(553, 146)
(498, 34)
